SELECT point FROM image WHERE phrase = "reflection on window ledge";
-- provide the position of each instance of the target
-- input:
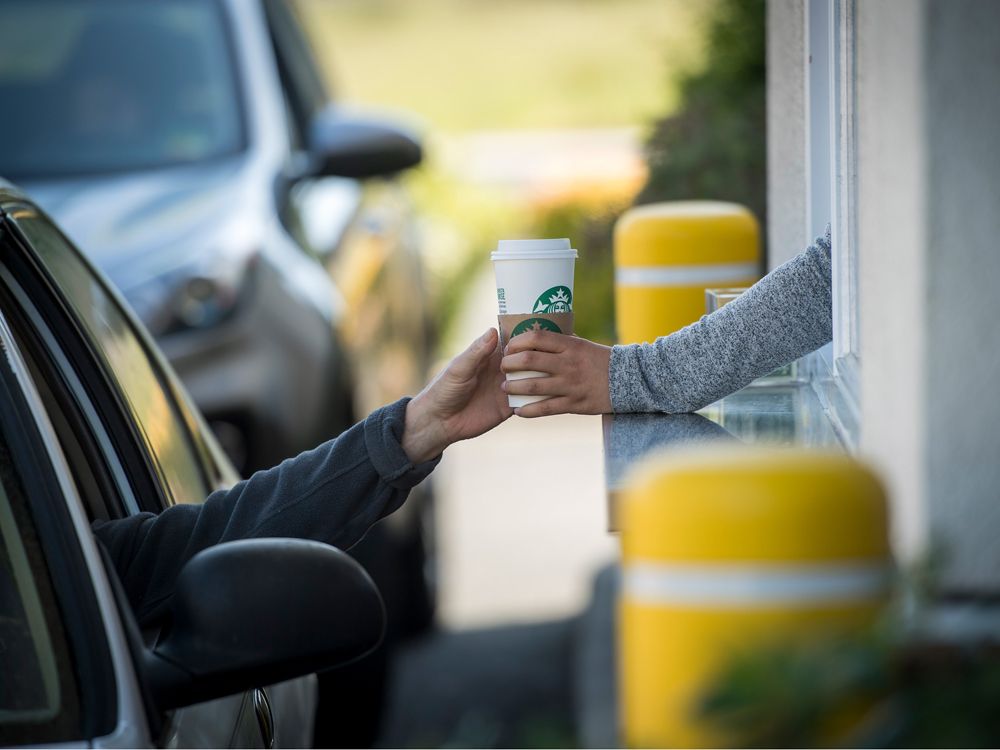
(775, 411)
(835, 383)
(825, 398)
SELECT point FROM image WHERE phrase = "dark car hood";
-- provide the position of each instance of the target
(138, 225)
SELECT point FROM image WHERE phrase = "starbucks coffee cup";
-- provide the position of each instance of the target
(534, 276)
(534, 281)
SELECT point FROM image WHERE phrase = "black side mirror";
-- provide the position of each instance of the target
(259, 611)
(345, 144)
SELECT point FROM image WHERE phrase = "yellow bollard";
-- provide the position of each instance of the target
(666, 254)
(727, 549)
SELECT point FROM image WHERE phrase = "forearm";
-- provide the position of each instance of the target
(784, 316)
(332, 493)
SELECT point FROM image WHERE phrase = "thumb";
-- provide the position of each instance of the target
(464, 366)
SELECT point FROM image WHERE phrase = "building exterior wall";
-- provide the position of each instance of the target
(786, 130)
(961, 70)
(891, 167)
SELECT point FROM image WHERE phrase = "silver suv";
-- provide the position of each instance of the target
(190, 149)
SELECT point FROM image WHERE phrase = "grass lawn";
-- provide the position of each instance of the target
(496, 64)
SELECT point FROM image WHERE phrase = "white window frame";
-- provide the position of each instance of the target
(846, 339)
(831, 181)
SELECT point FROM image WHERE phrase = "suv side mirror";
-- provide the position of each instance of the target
(345, 144)
(259, 611)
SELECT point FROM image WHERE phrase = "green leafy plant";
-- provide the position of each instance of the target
(895, 684)
(713, 146)
(869, 691)
(589, 222)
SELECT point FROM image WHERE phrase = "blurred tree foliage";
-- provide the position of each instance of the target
(876, 689)
(589, 223)
(893, 684)
(713, 147)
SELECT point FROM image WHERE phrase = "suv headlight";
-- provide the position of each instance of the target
(203, 302)
(206, 299)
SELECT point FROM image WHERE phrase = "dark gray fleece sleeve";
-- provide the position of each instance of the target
(782, 317)
(332, 494)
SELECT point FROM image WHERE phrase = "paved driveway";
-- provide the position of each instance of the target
(521, 510)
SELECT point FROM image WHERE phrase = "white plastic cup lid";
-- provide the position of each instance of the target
(525, 249)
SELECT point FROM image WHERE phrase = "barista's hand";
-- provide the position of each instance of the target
(577, 370)
(463, 401)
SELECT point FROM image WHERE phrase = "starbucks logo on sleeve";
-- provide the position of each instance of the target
(558, 299)
(534, 324)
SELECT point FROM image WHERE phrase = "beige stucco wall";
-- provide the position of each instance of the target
(961, 69)
(929, 197)
(892, 257)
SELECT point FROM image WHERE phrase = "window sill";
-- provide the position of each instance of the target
(779, 410)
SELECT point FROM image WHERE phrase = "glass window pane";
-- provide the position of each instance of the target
(109, 85)
(29, 690)
(164, 433)
(38, 698)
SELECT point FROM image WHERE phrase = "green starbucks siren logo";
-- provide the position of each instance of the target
(558, 299)
(534, 324)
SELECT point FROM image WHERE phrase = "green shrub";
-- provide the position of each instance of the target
(589, 223)
(873, 689)
(713, 147)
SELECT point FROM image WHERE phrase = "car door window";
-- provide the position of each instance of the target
(86, 443)
(38, 694)
(125, 360)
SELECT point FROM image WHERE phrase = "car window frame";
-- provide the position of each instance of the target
(66, 565)
(301, 82)
(148, 481)
(69, 407)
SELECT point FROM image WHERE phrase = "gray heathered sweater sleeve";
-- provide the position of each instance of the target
(783, 316)
(332, 494)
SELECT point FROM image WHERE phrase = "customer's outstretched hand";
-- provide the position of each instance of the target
(463, 401)
(577, 370)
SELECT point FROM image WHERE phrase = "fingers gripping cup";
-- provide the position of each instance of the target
(534, 292)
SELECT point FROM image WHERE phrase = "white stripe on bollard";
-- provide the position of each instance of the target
(749, 585)
(715, 273)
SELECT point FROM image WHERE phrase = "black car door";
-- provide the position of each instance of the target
(132, 442)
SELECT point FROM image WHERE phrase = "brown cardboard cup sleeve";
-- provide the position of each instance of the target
(512, 325)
